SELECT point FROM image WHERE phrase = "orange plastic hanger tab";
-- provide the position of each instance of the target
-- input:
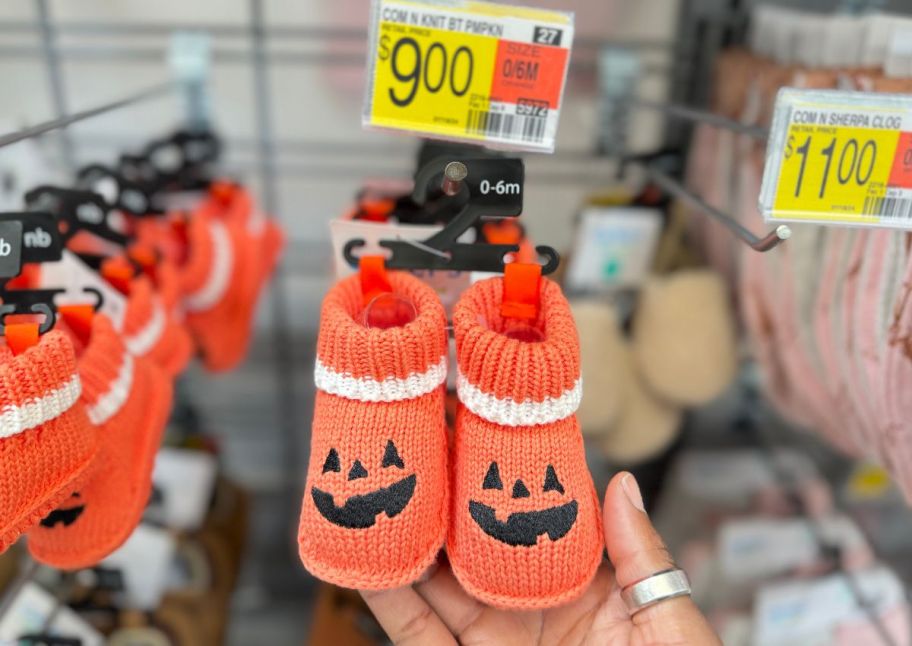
(521, 299)
(222, 191)
(502, 232)
(119, 272)
(21, 336)
(376, 210)
(374, 279)
(78, 318)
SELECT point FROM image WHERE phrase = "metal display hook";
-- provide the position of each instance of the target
(770, 241)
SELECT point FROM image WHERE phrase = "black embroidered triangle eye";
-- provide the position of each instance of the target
(520, 490)
(492, 478)
(332, 462)
(357, 471)
(391, 456)
(551, 481)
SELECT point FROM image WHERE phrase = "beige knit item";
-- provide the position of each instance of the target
(646, 425)
(602, 350)
(684, 337)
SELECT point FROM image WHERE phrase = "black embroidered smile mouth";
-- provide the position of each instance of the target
(360, 512)
(524, 528)
(65, 516)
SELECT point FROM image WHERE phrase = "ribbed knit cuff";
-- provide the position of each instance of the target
(106, 369)
(206, 275)
(512, 382)
(371, 364)
(38, 385)
(145, 318)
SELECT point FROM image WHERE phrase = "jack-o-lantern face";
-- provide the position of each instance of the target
(65, 514)
(360, 511)
(524, 528)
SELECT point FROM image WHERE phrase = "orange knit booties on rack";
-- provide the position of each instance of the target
(128, 399)
(150, 329)
(224, 323)
(525, 528)
(46, 440)
(374, 513)
(219, 282)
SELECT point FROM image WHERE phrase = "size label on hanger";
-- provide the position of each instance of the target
(840, 157)
(463, 70)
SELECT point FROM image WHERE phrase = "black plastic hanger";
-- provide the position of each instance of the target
(30, 237)
(482, 187)
(183, 160)
(129, 196)
(80, 210)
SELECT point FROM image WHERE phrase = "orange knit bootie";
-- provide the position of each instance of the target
(525, 530)
(128, 399)
(46, 440)
(374, 513)
(151, 330)
(219, 279)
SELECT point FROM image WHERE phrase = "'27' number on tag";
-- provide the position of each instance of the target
(431, 69)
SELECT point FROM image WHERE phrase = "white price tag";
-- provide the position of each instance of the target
(184, 480)
(30, 610)
(144, 560)
(808, 613)
(614, 248)
(465, 70)
(759, 548)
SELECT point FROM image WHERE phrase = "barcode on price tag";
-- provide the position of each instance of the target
(841, 158)
(468, 71)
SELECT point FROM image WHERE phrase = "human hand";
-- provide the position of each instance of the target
(438, 611)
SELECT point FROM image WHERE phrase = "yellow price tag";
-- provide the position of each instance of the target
(836, 174)
(841, 157)
(431, 78)
(468, 71)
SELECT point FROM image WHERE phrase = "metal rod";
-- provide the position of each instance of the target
(55, 76)
(281, 334)
(105, 53)
(315, 32)
(674, 187)
(62, 122)
(704, 116)
(236, 55)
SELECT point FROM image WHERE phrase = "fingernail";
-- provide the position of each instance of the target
(632, 491)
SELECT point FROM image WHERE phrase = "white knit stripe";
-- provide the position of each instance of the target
(144, 340)
(108, 405)
(208, 296)
(16, 419)
(391, 389)
(507, 412)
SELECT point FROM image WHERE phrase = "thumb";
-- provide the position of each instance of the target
(637, 552)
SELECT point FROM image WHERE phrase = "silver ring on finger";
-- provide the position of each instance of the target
(661, 586)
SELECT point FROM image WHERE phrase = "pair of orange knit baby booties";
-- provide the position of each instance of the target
(512, 498)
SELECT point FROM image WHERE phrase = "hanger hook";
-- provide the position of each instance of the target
(348, 251)
(36, 308)
(553, 259)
